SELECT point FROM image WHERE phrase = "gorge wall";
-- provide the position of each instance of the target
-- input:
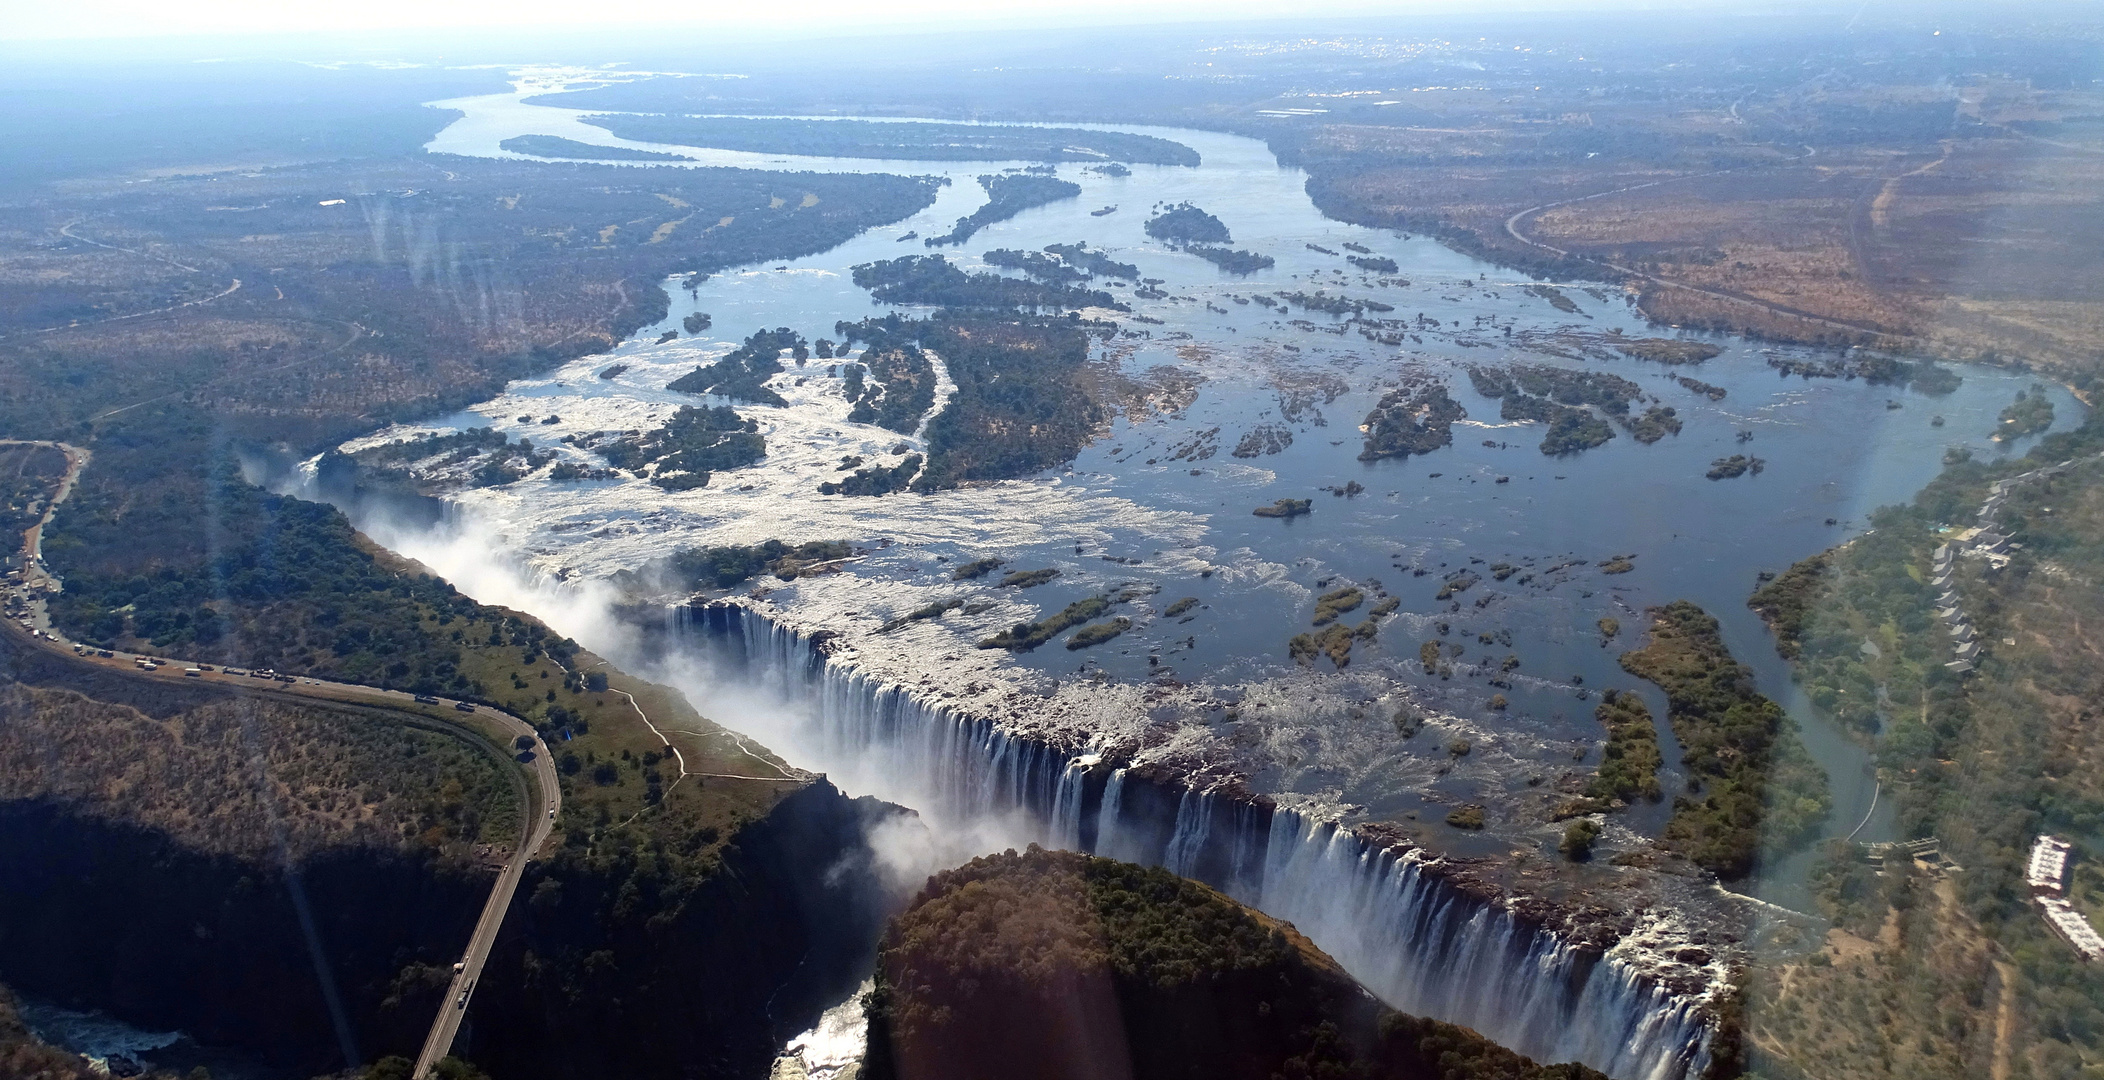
(1393, 915)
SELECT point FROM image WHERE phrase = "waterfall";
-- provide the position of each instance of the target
(1414, 939)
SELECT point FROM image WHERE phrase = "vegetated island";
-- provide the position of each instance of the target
(724, 566)
(1320, 300)
(898, 391)
(1714, 393)
(1195, 232)
(1925, 376)
(1630, 761)
(1098, 633)
(742, 374)
(1031, 965)
(1668, 350)
(905, 140)
(1735, 466)
(1335, 638)
(2029, 414)
(1049, 269)
(1007, 194)
(877, 479)
(1021, 403)
(555, 146)
(1286, 508)
(1079, 256)
(1022, 637)
(1230, 259)
(1411, 419)
(1751, 782)
(932, 279)
(695, 442)
(1559, 397)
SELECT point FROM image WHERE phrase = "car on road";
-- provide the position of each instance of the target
(426, 699)
(463, 706)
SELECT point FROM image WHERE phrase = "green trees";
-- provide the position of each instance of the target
(1020, 403)
(1751, 782)
(1042, 965)
(692, 444)
(1007, 194)
(1187, 224)
(932, 279)
(725, 566)
(742, 374)
(1411, 420)
(1629, 764)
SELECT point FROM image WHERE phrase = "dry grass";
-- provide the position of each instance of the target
(1985, 244)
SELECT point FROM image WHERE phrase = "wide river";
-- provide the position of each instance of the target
(1834, 449)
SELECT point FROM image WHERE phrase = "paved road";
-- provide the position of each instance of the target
(33, 589)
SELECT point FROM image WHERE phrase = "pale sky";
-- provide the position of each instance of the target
(27, 20)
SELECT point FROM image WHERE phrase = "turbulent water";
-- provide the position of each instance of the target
(1041, 745)
(1410, 936)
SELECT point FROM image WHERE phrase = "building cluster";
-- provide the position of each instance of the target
(1965, 642)
(2045, 872)
(1983, 541)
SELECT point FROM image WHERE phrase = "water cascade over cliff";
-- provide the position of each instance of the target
(1415, 938)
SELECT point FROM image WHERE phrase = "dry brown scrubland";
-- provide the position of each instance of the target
(1984, 244)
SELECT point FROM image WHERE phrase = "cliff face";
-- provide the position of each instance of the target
(295, 879)
(108, 915)
(617, 970)
(1051, 965)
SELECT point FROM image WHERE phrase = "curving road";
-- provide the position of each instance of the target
(543, 806)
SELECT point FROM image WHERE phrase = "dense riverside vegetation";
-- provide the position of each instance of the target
(1007, 194)
(1982, 762)
(1752, 787)
(908, 141)
(932, 279)
(289, 586)
(1046, 965)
